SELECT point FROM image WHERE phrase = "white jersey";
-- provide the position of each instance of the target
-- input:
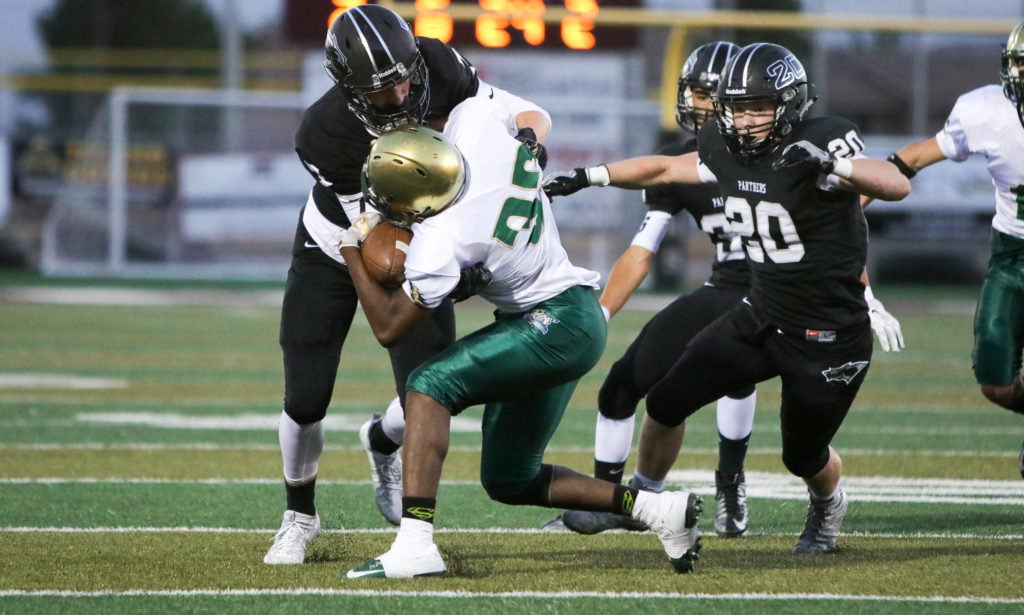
(983, 121)
(503, 220)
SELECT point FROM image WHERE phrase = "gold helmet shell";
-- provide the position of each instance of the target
(1010, 75)
(413, 173)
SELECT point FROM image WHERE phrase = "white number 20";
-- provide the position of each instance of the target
(755, 225)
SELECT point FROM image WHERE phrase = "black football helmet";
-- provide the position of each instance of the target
(702, 69)
(1009, 76)
(762, 72)
(369, 49)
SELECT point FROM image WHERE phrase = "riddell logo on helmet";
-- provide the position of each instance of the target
(735, 90)
(399, 68)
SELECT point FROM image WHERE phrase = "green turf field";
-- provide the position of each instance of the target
(139, 472)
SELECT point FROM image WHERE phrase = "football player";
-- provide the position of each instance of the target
(990, 121)
(474, 195)
(790, 188)
(663, 339)
(385, 77)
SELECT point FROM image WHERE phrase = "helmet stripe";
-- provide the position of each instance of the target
(376, 33)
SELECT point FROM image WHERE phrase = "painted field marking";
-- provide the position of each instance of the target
(445, 530)
(10, 380)
(764, 485)
(214, 446)
(461, 595)
(267, 422)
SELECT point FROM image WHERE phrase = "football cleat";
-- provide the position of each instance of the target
(386, 471)
(554, 525)
(675, 524)
(731, 495)
(824, 520)
(296, 533)
(594, 522)
(402, 562)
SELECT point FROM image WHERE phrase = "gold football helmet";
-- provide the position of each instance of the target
(1010, 75)
(413, 173)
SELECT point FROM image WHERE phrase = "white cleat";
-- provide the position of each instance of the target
(386, 471)
(296, 533)
(402, 562)
(675, 525)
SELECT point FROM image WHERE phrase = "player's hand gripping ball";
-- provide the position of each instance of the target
(384, 251)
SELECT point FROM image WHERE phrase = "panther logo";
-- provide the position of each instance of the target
(844, 373)
(541, 320)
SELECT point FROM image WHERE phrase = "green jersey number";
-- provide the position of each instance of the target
(518, 215)
(1018, 191)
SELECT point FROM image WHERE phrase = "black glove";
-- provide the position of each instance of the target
(472, 280)
(806, 153)
(565, 183)
(529, 138)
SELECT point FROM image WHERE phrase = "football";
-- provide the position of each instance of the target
(384, 251)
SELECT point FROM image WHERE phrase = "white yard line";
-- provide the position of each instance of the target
(764, 485)
(462, 595)
(443, 530)
(212, 446)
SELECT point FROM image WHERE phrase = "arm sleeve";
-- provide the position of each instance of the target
(652, 230)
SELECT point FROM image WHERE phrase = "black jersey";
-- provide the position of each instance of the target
(704, 202)
(333, 144)
(806, 246)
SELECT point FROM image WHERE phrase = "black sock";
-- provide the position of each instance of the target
(609, 471)
(379, 441)
(731, 454)
(624, 499)
(419, 508)
(300, 497)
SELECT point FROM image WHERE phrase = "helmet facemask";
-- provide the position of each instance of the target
(1010, 74)
(688, 116)
(754, 141)
(411, 112)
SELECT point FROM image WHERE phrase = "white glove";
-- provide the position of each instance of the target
(365, 222)
(345, 237)
(355, 234)
(887, 328)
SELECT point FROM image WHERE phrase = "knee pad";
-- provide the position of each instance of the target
(799, 463)
(306, 409)
(618, 399)
(535, 492)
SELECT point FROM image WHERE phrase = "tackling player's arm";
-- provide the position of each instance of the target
(633, 173)
(876, 179)
(391, 313)
(912, 159)
(627, 274)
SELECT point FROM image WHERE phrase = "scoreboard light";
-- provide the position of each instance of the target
(501, 23)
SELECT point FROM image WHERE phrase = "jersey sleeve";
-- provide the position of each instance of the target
(431, 271)
(514, 104)
(331, 144)
(953, 138)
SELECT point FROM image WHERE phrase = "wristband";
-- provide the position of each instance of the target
(843, 168)
(868, 294)
(607, 313)
(901, 165)
(598, 176)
